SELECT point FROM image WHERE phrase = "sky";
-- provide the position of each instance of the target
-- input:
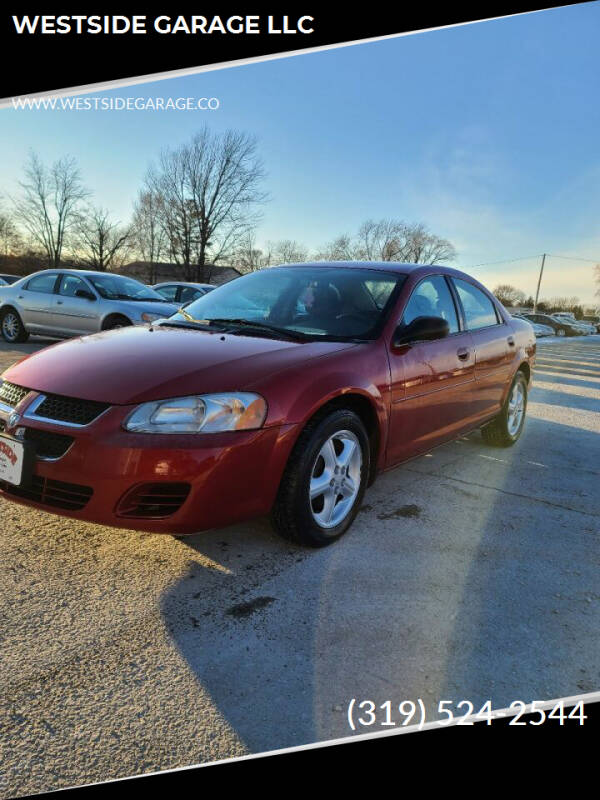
(488, 133)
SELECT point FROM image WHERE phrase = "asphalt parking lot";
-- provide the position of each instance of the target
(470, 574)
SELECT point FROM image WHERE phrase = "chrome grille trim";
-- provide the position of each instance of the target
(30, 413)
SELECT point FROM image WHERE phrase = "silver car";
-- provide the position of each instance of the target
(66, 302)
(182, 293)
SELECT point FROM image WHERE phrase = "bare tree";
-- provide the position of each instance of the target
(390, 240)
(562, 303)
(395, 240)
(285, 251)
(100, 242)
(210, 191)
(247, 256)
(597, 278)
(148, 233)
(341, 249)
(509, 295)
(11, 242)
(48, 206)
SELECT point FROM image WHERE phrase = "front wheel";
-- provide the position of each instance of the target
(506, 428)
(324, 480)
(560, 332)
(13, 330)
(116, 321)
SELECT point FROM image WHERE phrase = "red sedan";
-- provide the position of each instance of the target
(285, 392)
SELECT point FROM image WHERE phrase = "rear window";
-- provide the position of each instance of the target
(480, 312)
(42, 283)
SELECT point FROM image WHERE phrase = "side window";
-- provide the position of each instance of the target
(188, 294)
(432, 298)
(42, 283)
(70, 284)
(479, 309)
(168, 292)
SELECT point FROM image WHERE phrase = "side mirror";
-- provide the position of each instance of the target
(83, 293)
(421, 329)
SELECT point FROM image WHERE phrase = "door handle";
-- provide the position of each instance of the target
(511, 341)
(462, 353)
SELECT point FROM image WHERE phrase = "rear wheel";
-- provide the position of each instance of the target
(13, 330)
(561, 332)
(324, 480)
(505, 429)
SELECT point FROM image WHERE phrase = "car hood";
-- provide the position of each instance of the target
(165, 309)
(142, 363)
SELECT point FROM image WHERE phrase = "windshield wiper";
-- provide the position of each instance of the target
(245, 323)
(259, 326)
(145, 299)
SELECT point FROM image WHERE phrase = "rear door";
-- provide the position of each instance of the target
(494, 345)
(431, 380)
(36, 299)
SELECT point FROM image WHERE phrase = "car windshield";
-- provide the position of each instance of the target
(309, 302)
(118, 287)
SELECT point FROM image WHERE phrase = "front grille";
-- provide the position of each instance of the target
(153, 500)
(69, 409)
(47, 444)
(11, 394)
(68, 496)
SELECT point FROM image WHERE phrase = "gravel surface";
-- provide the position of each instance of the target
(470, 573)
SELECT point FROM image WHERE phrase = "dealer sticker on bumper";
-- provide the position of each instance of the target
(12, 460)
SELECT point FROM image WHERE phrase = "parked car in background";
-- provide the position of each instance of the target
(64, 302)
(561, 327)
(182, 293)
(582, 327)
(9, 279)
(593, 320)
(539, 329)
(206, 419)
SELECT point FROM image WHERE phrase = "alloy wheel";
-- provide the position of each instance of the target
(516, 408)
(335, 479)
(10, 326)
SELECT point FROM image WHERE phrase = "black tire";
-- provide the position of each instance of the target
(10, 320)
(498, 432)
(115, 321)
(293, 512)
(561, 332)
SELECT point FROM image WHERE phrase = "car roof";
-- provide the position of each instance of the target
(86, 273)
(388, 266)
(400, 267)
(184, 283)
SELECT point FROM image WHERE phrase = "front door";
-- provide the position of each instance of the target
(75, 315)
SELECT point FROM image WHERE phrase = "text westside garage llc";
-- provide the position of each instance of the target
(140, 24)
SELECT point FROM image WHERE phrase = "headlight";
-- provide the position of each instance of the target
(147, 317)
(205, 413)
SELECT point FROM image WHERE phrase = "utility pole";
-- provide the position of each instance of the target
(537, 294)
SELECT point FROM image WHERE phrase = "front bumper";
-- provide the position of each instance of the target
(231, 476)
